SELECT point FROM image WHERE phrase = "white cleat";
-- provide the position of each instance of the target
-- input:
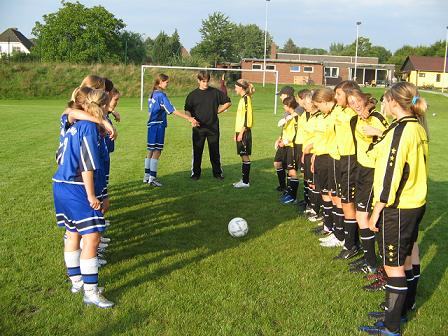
(240, 184)
(76, 288)
(154, 183)
(332, 243)
(101, 262)
(105, 240)
(327, 238)
(146, 179)
(98, 300)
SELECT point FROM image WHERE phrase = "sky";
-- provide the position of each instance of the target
(310, 23)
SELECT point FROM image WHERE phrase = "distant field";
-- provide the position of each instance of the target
(172, 267)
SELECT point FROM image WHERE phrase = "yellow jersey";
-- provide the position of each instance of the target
(289, 132)
(301, 128)
(244, 113)
(401, 166)
(309, 130)
(324, 134)
(344, 127)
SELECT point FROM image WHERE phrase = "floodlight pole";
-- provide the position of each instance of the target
(356, 50)
(445, 60)
(265, 43)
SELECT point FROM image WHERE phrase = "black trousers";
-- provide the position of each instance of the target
(199, 137)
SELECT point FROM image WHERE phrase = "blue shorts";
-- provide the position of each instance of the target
(73, 210)
(156, 136)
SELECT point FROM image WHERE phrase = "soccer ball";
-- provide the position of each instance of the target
(238, 227)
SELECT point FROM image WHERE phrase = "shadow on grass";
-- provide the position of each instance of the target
(157, 231)
(434, 237)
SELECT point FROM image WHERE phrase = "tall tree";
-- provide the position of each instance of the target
(133, 48)
(217, 42)
(161, 51)
(249, 42)
(79, 34)
(290, 47)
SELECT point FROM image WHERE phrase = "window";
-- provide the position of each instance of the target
(294, 68)
(15, 49)
(270, 67)
(308, 69)
(421, 74)
(332, 72)
(438, 77)
(256, 66)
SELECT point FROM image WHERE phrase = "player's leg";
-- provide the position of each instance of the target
(279, 168)
(72, 254)
(215, 156)
(198, 139)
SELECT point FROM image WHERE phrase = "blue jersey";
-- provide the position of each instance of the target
(158, 107)
(79, 152)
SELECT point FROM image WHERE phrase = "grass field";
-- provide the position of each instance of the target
(172, 267)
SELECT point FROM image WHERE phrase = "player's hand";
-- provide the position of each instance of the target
(105, 205)
(117, 116)
(110, 129)
(371, 131)
(194, 122)
(302, 159)
(365, 114)
(373, 220)
(95, 204)
(239, 138)
(313, 158)
(281, 122)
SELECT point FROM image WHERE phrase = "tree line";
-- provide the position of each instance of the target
(79, 34)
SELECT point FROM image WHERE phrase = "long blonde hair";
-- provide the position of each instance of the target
(95, 101)
(407, 96)
(248, 88)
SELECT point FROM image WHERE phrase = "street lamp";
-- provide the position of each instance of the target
(356, 51)
(265, 41)
(444, 60)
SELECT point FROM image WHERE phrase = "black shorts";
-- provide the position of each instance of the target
(244, 147)
(307, 174)
(322, 165)
(398, 233)
(364, 188)
(334, 177)
(280, 155)
(298, 156)
(348, 178)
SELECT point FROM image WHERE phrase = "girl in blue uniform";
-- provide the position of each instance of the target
(79, 177)
(158, 107)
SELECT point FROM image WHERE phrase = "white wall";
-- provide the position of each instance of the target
(8, 48)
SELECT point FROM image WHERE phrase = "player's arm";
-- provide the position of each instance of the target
(75, 114)
(375, 216)
(224, 107)
(116, 115)
(87, 177)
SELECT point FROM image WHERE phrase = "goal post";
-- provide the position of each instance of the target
(142, 82)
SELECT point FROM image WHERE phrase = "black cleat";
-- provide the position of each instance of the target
(377, 285)
(219, 177)
(348, 254)
(357, 262)
(379, 329)
(194, 177)
(380, 316)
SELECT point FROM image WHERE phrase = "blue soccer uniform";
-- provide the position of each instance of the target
(158, 107)
(80, 151)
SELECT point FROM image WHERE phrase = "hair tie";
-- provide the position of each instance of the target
(414, 100)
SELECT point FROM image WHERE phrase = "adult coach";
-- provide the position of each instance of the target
(204, 104)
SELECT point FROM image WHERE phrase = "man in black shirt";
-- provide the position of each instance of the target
(204, 104)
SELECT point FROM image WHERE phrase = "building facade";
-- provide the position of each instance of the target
(13, 41)
(425, 71)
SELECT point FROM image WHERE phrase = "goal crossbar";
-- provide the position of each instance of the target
(275, 72)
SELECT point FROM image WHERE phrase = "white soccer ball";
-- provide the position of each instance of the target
(434, 114)
(238, 227)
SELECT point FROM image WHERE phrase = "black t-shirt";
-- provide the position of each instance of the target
(203, 106)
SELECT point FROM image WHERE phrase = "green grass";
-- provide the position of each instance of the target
(172, 267)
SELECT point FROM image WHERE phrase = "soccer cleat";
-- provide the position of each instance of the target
(107, 222)
(327, 238)
(146, 179)
(241, 184)
(219, 177)
(315, 218)
(77, 289)
(379, 330)
(153, 182)
(332, 243)
(105, 240)
(380, 274)
(317, 229)
(348, 254)
(377, 285)
(287, 199)
(98, 300)
(357, 262)
(194, 177)
(366, 269)
(101, 262)
(280, 189)
(309, 211)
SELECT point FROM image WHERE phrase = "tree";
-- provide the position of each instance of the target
(290, 47)
(76, 33)
(249, 42)
(133, 48)
(336, 49)
(216, 44)
(161, 51)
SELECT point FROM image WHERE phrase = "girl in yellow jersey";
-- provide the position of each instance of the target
(369, 125)
(345, 121)
(285, 144)
(400, 189)
(323, 145)
(243, 126)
